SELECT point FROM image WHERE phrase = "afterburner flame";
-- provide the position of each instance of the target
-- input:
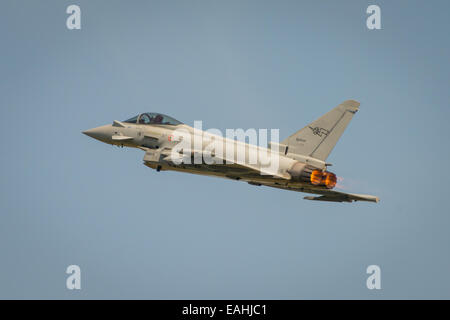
(324, 178)
(316, 177)
(330, 180)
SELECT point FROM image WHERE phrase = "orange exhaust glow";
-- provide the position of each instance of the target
(324, 178)
(330, 180)
(316, 177)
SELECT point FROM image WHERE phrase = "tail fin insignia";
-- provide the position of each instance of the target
(318, 139)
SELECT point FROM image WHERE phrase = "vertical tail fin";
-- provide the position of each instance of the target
(319, 137)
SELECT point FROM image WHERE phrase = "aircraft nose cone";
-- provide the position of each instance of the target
(99, 133)
(87, 132)
(93, 133)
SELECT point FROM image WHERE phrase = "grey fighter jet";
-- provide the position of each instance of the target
(298, 163)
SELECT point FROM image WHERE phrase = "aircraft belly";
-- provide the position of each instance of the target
(236, 172)
(232, 171)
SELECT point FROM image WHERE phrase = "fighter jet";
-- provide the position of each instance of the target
(297, 163)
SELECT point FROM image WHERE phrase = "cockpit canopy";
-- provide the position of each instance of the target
(153, 118)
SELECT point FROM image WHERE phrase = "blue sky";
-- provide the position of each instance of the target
(68, 199)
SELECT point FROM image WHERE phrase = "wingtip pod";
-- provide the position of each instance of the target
(365, 197)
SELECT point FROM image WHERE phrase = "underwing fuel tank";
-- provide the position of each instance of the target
(302, 172)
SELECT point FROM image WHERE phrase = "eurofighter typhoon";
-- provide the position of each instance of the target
(298, 163)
